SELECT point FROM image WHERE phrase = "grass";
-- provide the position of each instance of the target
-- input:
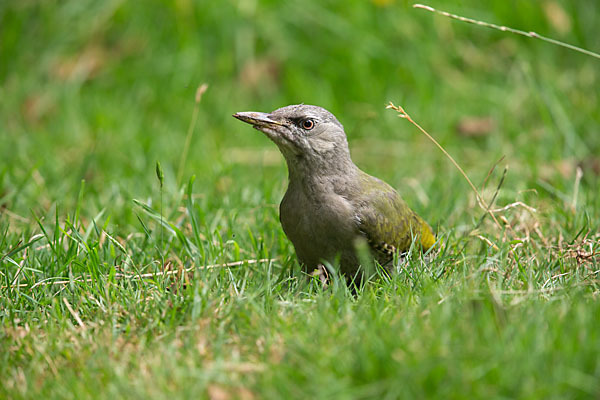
(94, 94)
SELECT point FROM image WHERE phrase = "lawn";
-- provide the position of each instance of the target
(141, 254)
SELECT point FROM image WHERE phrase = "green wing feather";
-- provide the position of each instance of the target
(387, 222)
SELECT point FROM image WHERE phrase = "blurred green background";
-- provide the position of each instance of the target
(102, 90)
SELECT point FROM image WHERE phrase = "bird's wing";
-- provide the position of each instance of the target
(387, 222)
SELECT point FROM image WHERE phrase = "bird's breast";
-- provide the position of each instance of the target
(321, 225)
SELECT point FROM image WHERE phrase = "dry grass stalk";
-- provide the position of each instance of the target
(482, 203)
(188, 138)
(529, 34)
(135, 277)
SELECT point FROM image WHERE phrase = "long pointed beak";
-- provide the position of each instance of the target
(257, 119)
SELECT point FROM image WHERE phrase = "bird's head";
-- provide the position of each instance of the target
(301, 131)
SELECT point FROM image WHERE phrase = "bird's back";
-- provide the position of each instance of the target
(387, 222)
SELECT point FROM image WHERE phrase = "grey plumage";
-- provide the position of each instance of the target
(330, 204)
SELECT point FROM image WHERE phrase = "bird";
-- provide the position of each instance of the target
(331, 206)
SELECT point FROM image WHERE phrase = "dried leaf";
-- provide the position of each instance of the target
(558, 17)
(473, 127)
(258, 72)
(216, 392)
(85, 65)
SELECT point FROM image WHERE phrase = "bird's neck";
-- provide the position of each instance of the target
(322, 170)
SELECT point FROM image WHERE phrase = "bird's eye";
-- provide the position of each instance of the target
(308, 124)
